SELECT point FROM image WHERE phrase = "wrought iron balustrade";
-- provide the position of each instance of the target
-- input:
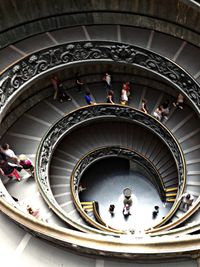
(88, 114)
(21, 74)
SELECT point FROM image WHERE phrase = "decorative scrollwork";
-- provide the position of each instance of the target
(47, 59)
(78, 118)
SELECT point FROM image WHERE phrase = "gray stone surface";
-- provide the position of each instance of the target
(20, 109)
(11, 235)
(164, 16)
(21, 20)
(34, 43)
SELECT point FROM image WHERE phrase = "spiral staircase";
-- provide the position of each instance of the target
(152, 44)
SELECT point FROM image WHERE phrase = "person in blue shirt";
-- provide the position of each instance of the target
(88, 98)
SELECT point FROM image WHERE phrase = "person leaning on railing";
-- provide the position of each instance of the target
(110, 97)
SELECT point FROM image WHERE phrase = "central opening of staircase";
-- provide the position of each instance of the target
(109, 181)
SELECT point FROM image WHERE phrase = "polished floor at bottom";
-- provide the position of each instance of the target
(106, 186)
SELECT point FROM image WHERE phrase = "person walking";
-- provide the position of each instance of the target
(179, 101)
(144, 106)
(107, 79)
(79, 83)
(55, 83)
(9, 153)
(124, 95)
(88, 98)
(27, 164)
(110, 97)
(9, 170)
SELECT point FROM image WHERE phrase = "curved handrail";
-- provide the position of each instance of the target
(180, 78)
(7, 203)
(176, 223)
(115, 151)
(91, 157)
(18, 75)
(128, 247)
(89, 113)
(95, 205)
(26, 70)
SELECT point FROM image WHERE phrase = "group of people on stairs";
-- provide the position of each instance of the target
(11, 164)
(160, 113)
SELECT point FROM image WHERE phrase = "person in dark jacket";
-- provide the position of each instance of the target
(9, 169)
(62, 95)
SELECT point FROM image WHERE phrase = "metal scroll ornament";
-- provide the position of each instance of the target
(93, 113)
(31, 67)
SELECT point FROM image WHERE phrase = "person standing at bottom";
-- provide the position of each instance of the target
(126, 210)
(111, 209)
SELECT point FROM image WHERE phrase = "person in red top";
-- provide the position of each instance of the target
(27, 164)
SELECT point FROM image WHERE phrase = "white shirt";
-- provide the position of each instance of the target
(108, 79)
(10, 153)
(124, 96)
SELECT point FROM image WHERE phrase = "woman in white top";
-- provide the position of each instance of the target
(158, 113)
(124, 96)
(9, 152)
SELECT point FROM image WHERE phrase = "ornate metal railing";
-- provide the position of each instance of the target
(99, 112)
(19, 75)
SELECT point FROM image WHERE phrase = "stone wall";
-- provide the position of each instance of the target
(21, 19)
